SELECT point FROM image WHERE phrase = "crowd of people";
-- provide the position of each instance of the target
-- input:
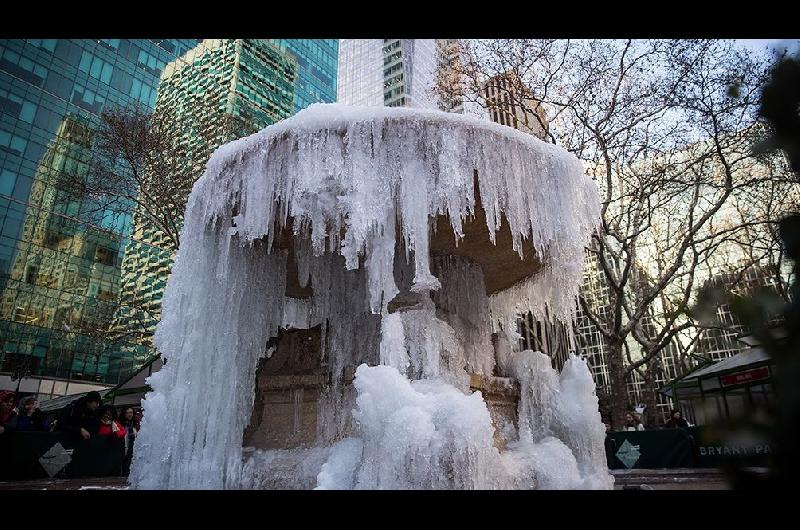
(634, 423)
(87, 418)
(83, 419)
(25, 416)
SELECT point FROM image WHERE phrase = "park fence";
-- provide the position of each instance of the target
(699, 447)
(34, 455)
(42, 455)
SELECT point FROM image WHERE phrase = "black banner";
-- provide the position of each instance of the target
(667, 448)
(714, 449)
(34, 455)
(674, 448)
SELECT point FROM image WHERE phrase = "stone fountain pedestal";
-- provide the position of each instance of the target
(290, 383)
(286, 408)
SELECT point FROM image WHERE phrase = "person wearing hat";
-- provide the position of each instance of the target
(8, 415)
(80, 418)
(30, 418)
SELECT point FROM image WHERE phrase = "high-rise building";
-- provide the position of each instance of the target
(317, 61)
(60, 259)
(509, 102)
(249, 81)
(592, 343)
(448, 76)
(388, 72)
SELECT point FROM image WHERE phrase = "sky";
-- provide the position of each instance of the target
(770, 44)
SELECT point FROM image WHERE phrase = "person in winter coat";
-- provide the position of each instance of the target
(109, 426)
(79, 418)
(8, 416)
(632, 423)
(128, 420)
(676, 421)
(30, 418)
(109, 443)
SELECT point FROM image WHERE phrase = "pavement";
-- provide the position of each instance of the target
(670, 479)
(100, 483)
(626, 479)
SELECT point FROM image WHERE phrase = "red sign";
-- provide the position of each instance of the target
(756, 374)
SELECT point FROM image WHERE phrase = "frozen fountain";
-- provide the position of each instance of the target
(342, 312)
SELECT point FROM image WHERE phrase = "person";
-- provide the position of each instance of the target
(8, 416)
(79, 418)
(128, 420)
(30, 418)
(676, 421)
(108, 447)
(632, 423)
(109, 426)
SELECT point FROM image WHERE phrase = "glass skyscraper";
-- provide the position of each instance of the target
(59, 265)
(388, 72)
(61, 275)
(252, 81)
(317, 61)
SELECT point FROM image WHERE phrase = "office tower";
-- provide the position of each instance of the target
(388, 72)
(721, 341)
(219, 91)
(509, 102)
(67, 255)
(317, 61)
(59, 259)
(448, 75)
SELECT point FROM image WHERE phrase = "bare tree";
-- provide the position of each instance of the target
(144, 164)
(667, 141)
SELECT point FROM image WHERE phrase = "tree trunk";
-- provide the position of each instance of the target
(650, 396)
(618, 389)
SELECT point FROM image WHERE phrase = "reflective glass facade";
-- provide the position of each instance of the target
(388, 72)
(251, 79)
(361, 72)
(64, 314)
(317, 63)
(59, 265)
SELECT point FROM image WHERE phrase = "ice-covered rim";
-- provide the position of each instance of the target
(325, 116)
(337, 169)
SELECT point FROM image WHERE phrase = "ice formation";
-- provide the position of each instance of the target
(427, 434)
(354, 190)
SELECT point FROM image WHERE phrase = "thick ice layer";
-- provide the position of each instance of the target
(545, 465)
(346, 174)
(428, 434)
(564, 408)
(579, 425)
(284, 469)
(465, 308)
(416, 435)
(539, 394)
